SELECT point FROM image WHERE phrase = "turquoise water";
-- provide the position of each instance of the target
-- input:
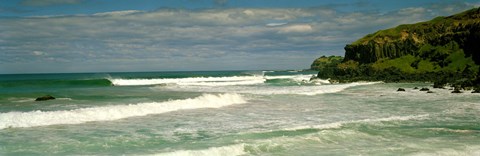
(230, 113)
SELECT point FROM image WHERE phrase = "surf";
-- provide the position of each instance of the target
(198, 81)
(233, 150)
(336, 125)
(253, 79)
(108, 113)
(307, 90)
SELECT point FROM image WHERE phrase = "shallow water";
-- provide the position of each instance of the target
(230, 113)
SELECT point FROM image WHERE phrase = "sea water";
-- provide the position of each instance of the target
(231, 113)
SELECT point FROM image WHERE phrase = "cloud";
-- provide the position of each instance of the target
(48, 2)
(412, 11)
(178, 39)
(221, 2)
(275, 24)
(117, 13)
(296, 28)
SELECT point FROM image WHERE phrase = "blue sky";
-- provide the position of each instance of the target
(51, 36)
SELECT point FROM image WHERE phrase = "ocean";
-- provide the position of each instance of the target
(231, 113)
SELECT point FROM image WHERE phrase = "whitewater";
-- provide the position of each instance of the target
(217, 113)
(106, 113)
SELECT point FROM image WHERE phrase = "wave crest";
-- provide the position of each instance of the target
(107, 113)
(210, 81)
(339, 124)
(196, 81)
(237, 149)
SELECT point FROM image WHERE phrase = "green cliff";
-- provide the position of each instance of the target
(325, 62)
(442, 50)
(462, 29)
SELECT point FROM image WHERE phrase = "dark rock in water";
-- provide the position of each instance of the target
(430, 91)
(424, 89)
(438, 85)
(415, 88)
(45, 98)
(456, 91)
(400, 90)
(476, 90)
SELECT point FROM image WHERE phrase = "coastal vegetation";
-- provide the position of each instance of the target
(325, 62)
(445, 50)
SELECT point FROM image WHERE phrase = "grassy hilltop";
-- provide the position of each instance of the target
(444, 50)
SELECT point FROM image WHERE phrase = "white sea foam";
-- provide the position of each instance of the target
(320, 81)
(333, 88)
(231, 150)
(200, 81)
(67, 99)
(209, 81)
(394, 118)
(452, 130)
(270, 90)
(341, 123)
(322, 126)
(107, 113)
(465, 150)
(293, 77)
(21, 100)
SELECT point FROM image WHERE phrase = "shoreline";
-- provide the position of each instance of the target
(455, 87)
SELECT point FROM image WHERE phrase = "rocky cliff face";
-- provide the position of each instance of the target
(462, 28)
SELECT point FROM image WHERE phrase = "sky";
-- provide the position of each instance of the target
(70, 36)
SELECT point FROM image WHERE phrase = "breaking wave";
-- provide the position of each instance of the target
(209, 81)
(341, 123)
(270, 90)
(237, 149)
(200, 81)
(107, 113)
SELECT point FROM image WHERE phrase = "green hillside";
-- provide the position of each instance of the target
(325, 62)
(462, 30)
(444, 50)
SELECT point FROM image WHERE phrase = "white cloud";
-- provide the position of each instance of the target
(275, 24)
(117, 13)
(412, 11)
(211, 35)
(296, 28)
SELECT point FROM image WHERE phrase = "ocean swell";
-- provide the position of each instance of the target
(55, 83)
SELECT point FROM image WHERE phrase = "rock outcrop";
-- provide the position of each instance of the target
(424, 89)
(45, 98)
